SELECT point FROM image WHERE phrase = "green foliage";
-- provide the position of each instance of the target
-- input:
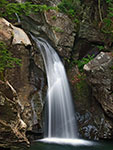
(54, 17)
(108, 21)
(9, 9)
(100, 48)
(6, 59)
(108, 1)
(71, 8)
(84, 61)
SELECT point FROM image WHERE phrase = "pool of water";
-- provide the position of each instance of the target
(64, 144)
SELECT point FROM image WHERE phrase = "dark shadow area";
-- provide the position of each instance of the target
(1, 148)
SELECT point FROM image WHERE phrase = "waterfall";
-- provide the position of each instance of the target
(18, 18)
(61, 119)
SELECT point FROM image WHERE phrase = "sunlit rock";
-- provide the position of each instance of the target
(9, 32)
(11, 123)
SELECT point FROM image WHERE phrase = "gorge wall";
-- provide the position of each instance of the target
(26, 87)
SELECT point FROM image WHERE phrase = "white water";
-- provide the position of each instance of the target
(61, 119)
(67, 141)
(18, 18)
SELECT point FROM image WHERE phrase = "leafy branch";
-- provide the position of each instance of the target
(9, 9)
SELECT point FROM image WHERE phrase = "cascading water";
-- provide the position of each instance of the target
(61, 119)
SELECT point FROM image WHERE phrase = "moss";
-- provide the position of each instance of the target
(81, 91)
(57, 29)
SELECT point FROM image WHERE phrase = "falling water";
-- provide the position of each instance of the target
(18, 18)
(61, 119)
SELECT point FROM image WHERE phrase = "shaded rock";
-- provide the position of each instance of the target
(12, 127)
(99, 75)
(91, 33)
(81, 49)
(63, 31)
(91, 119)
(55, 27)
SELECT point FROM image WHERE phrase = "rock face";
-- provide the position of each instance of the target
(62, 30)
(100, 76)
(89, 34)
(92, 93)
(55, 27)
(18, 35)
(91, 119)
(27, 79)
(12, 127)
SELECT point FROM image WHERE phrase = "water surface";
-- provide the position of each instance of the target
(79, 145)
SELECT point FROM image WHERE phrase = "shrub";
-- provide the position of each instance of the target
(84, 61)
(70, 7)
(108, 21)
(9, 9)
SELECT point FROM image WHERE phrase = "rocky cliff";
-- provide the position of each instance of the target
(12, 126)
(91, 90)
(27, 84)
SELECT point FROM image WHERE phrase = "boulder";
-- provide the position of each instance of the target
(17, 34)
(100, 76)
(92, 121)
